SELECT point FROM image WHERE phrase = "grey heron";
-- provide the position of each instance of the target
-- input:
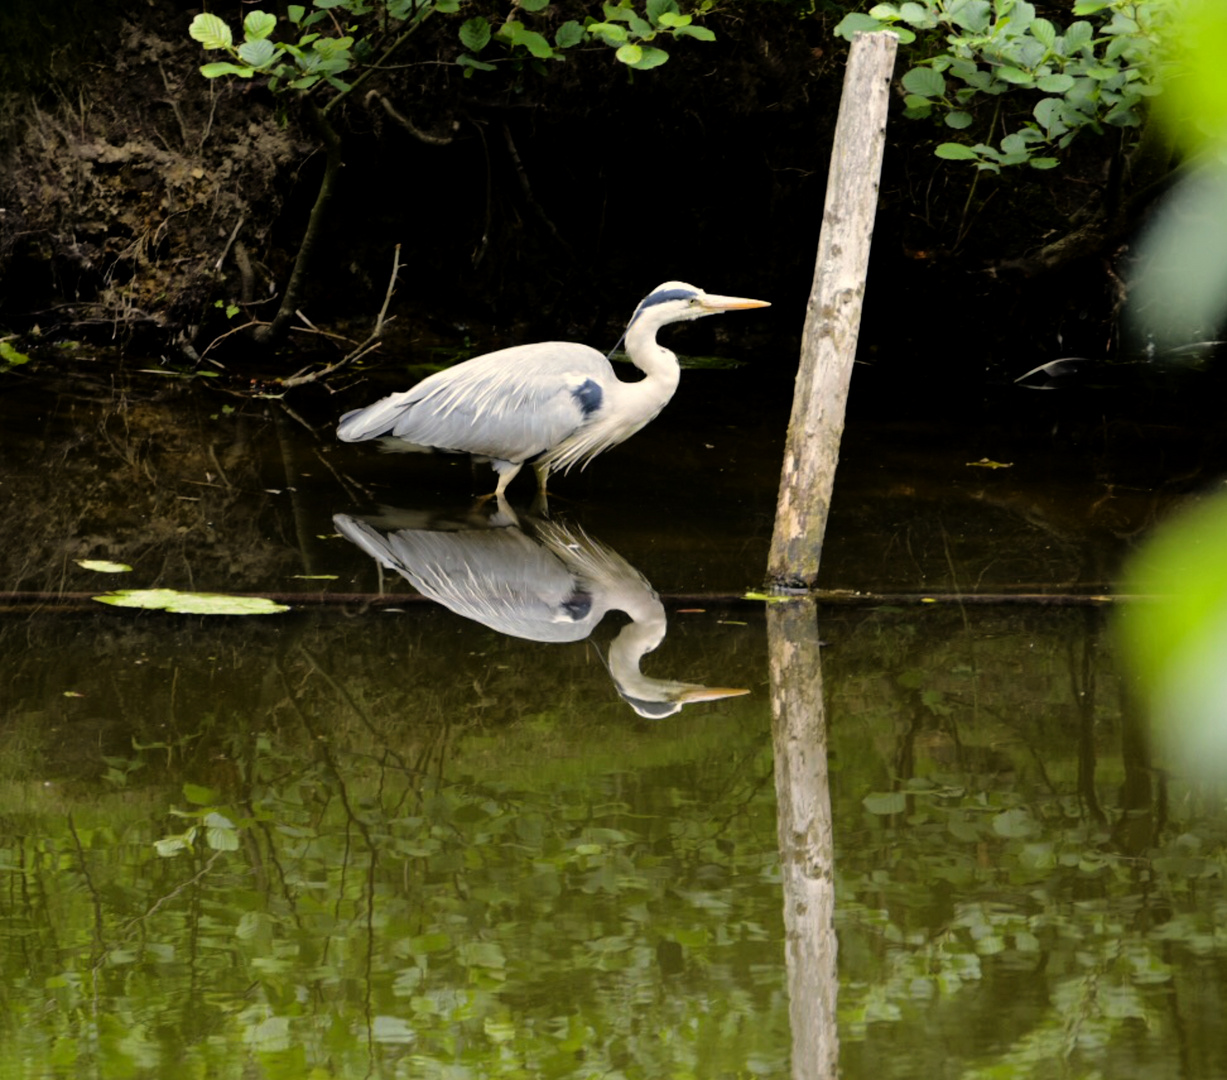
(548, 584)
(553, 404)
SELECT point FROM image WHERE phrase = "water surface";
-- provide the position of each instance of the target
(375, 836)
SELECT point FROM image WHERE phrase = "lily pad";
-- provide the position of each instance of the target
(101, 566)
(188, 603)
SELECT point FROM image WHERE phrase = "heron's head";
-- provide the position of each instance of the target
(675, 301)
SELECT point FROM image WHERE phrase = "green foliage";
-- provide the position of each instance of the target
(974, 59)
(622, 28)
(322, 52)
(326, 46)
(1194, 102)
(1176, 639)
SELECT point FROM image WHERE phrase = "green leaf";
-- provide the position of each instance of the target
(532, 41)
(610, 33)
(641, 28)
(973, 15)
(258, 24)
(924, 81)
(856, 23)
(466, 61)
(1078, 35)
(1044, 32)
(1055, 84)
(191, 603)
(201, 796)
(475, 33)
(885, 802)
(630, 54)
(11, 356)
(212, 71)
(671, 20)
(534, 5)
(1049, 114)
(1014, 75)
(1015, 824)
(658, 9)
(258, 53)
(917, 15)
(958, 120)
(1044, 163)
(699, 33)
(100, 566)
(1089, 7)
(211, 32)
(295, 12)
(955, 152)
(651, 58)
(569, 34)
(170, 846)
(447, 7)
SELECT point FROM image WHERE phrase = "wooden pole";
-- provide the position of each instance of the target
(833, 316)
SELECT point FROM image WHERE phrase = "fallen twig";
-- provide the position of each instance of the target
(369, 345)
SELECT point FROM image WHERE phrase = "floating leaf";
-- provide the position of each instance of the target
(101, 566)
(11, 356)
(187, 603)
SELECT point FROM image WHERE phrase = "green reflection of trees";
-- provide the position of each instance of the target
(1019, 892)
(409, 887)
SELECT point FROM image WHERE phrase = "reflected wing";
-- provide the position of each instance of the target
(497, 577)
(508, 405)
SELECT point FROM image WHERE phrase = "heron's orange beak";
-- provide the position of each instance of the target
(731, 303)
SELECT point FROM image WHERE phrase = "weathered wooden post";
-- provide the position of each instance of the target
(833, 317)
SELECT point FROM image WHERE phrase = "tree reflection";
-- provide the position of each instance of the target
(799, 737)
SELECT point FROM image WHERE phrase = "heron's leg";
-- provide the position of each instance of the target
(542, 469)
(507, 471)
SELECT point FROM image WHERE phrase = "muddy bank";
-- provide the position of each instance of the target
(144, 202)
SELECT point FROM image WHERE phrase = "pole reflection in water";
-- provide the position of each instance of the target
(803, 794)
(542, 582)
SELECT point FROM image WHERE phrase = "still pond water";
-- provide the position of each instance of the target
(379, 836)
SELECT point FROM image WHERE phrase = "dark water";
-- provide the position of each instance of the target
(373, 836)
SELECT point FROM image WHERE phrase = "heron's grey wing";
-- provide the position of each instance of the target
(508, 405)
(497, 577)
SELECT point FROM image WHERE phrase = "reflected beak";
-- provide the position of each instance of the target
(731, 303)
(707, 693)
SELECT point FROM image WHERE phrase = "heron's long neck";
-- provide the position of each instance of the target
(657, 363)
(636, 639)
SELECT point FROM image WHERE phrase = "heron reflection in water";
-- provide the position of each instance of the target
(548, 584)
(553, 404)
